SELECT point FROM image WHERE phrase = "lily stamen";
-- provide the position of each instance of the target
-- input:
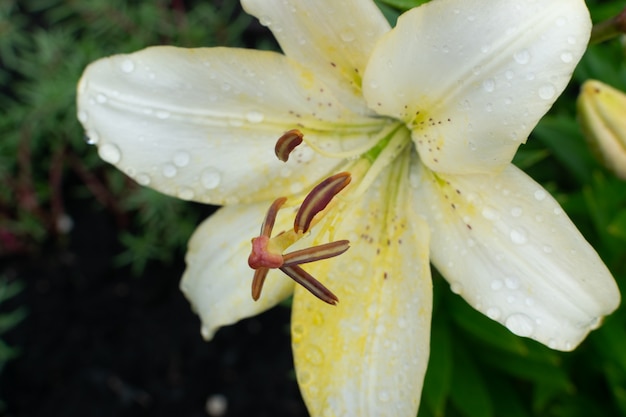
(318, 199)
(287, 143)
(267, 253)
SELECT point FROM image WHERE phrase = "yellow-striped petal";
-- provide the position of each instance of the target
(367, 355)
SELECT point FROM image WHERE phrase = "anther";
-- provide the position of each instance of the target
(287, 143)
(318, 199)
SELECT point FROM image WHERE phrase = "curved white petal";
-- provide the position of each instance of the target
(367, 355)
(331, 38)
(473, 78)
(509, 249)
(201, 124)
(218, 280)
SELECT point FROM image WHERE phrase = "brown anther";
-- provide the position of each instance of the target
(287, 143)
(318, 199)
(270, 217)
(307, 281)
(257, 282)
(316, 253)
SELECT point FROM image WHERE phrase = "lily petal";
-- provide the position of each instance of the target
(473, 78)
(367, 355)
(218, 280)
(201, 124)
(333, 39)
(507, 247)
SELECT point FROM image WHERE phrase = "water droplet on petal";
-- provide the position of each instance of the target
(210, 178)
(512, 283)
(567, 57)
(142, 179)
(561, 21)
(490, 213)
(540, 195)
(516, 211)
(314, 355)
(127, 66)
(522, 57)
(494, 313)
(547, 91)
(489, 85)
(520, 324)
(518, 236)
(255, 117)
(181, 158)
(101, 98)
(384, 396)
(110, 153)
(456, 287)
(185, 193)
(169, 171)
(496, 284)
(82, 116)
(347, 36)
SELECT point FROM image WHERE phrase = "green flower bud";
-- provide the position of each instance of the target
(602, 116)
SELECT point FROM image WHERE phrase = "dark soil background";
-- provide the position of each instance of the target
(100, 342)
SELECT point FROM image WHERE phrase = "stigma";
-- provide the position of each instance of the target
(267, 251)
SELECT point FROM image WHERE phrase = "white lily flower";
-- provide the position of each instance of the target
(424, 119)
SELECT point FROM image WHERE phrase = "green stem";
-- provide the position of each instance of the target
(609, 29)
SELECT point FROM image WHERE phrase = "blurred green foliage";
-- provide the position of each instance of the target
(8, 320)
(477, 368)
(44, 161)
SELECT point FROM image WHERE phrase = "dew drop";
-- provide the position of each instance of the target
(255, 117)
(522, 57)
(547, 248)
(127, 66)
(516, 211)
(456, 287)
(494, 313)
(110, 153)
(185, 193)
(265, 20)
(347, 36)
(314, 355)
(181, 159)
(496, 285)
(540, 195)
(82, 116)
(489, 107)
(143, 179)
(518, 236)
(384, 396)
(489, 85)
(169, 171)
(509, 75)
(490, 213)
(567, 57)
(561, 21)
(210, 178)
(101, 98)
(512, 283)
(546, 91)
(520, 324)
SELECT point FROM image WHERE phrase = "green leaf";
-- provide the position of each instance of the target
(469, 392)
(482, 328)
(438, 378)
(563, 137)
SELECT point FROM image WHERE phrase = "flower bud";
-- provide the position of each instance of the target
(602, 116)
